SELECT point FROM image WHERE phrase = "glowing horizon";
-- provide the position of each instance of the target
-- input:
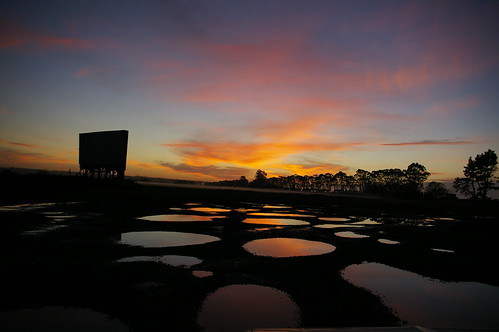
(213, 91)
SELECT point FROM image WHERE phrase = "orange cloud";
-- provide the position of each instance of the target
(13, 157)
(17, 144)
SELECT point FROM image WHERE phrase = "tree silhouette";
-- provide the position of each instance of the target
(416, 175)
(260, 179)
(479, 176)
(436, 190)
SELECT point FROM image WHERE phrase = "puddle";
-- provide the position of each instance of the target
(202, 274)
(59, 319)
(426, 302)
(337, 226)
(209, 210)
(176, 218)
(275, 221)
(333, 219)
(445, 219)
(165, 239)
(386, 241)
(239, 308)
(277, 207)
(173, 260)
(287, 247)
(367, 222)
(443, 250)
(25, 207)
(350, 235)
(277, 214)
(43, 230)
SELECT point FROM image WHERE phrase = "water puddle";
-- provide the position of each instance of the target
(202, 274)
(25, 207)
(350, 235)
(277, 207)
(426, 302)
(367, 222)
(386, 241)
(287, 247)
(209, 210)
(176, 218)
(173, 260)
(59, 319)
(443, 250)
(334, 219)
(277, 214)
(337, 226)
(238, 308)
(275, 221)
(156, 239)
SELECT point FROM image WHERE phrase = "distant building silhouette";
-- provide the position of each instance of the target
(103, 154)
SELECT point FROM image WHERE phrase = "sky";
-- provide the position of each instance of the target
(214, 90)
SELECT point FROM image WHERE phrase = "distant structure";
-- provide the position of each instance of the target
(103, 154)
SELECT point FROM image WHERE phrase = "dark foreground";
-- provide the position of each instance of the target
(71, 261)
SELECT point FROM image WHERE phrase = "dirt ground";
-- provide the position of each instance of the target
(66, 253)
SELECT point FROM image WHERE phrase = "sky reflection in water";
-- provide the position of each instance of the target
(287, 247)
(350, 235)
(165, 239)
(427, 302)
(176, 218)
(173, 260)
(59, 319)
(238, 308)
(275, 221)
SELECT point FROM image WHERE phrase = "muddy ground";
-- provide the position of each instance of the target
(72, 260)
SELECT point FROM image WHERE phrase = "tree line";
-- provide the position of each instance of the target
(409, 182)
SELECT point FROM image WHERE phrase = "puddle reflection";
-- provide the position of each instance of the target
(287, 247)
(334, 219)
(209, 210)
(277, 214)
(173, 260)
(350, 235)
(59, 319)
(386, 241)
(176, 218)
(367, 222)
(443, 250)
(275, 221)
(427, 302)
(238, 308)
(202, 274)
(156, 239)
(337, 226)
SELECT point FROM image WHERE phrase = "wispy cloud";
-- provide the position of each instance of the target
(14, 157)
(212, 172)
(18, 144)
(429, 142)
(13, 35)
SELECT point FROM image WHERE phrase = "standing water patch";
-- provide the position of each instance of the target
(165, 239)
(173, 260)
(287, 247)
(239, 308)
(428, 302)
(59, 319)
(176, 218)
(276, 221)
(350, 235)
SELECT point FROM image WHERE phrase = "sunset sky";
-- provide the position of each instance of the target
(213, 90)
